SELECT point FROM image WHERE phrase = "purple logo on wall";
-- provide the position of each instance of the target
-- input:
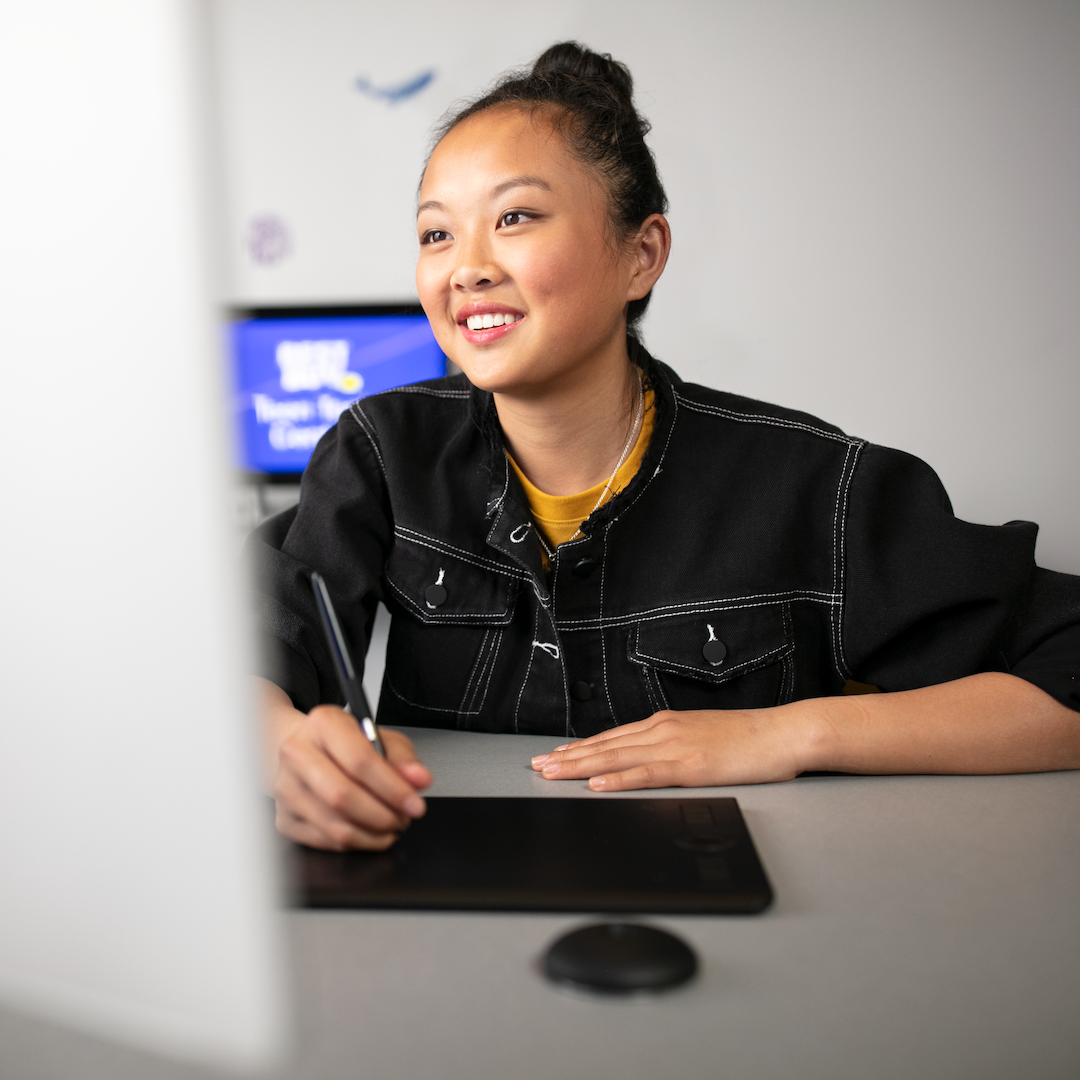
(268, 240)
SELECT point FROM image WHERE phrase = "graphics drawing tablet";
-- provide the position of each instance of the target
(672, 856)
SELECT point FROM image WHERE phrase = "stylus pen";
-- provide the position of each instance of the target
(343, 665)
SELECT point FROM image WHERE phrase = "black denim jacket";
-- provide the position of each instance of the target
(759, 556)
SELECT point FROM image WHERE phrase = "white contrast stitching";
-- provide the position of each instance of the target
(659, 687)
(846, 476)
(603, 644)
(449, 549)
(787, 681)
(775, 421)
(843, 560)
(645, 671)
(493, 656)
(368, 429)
(499, 618)
(473, 673)
(430, 391)
(672, 610)
(639, 657)
(528, 670)
(551, 649)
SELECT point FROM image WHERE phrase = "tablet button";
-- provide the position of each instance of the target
(435, 596)
(581, 691)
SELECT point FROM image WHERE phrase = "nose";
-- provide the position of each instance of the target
(476, 268)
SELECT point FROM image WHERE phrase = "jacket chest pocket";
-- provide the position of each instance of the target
(736, 658)
(449, 615)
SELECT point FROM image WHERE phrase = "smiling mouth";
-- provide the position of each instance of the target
(487, 322)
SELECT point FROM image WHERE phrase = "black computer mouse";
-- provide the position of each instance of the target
(620, 958)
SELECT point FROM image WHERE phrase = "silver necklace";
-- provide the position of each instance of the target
(631, 439)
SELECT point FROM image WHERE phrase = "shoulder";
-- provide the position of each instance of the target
(420, 414)
(448, 396)
(735, 409)
(756, 419)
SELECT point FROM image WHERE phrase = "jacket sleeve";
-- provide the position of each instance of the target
(930, 598)
(342, 529)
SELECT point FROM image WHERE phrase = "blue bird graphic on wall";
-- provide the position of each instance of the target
(393, 94)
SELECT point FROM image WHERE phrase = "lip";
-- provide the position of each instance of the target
(483, 337)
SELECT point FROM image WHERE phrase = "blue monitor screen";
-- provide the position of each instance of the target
(295, 376)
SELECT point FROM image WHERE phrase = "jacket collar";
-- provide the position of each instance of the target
(512, 531)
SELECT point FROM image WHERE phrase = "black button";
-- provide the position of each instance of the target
(581, 691)
(714, 652)
(584, 567)
(435, 596)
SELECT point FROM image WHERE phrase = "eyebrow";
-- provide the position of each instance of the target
(499, 189)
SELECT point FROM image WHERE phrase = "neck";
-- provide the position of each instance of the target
(568, 437)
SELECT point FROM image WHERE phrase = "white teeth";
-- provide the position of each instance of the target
(486, 322)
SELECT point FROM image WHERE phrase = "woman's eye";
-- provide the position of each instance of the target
(513, 217)
(434, 236)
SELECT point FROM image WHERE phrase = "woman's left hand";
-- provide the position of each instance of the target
(684, 749)
(986, 723)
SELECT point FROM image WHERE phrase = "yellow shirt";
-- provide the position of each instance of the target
(560, 516)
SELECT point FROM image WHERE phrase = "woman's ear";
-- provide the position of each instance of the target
(649, 249)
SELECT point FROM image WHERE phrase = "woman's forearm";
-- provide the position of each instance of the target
(989, 723)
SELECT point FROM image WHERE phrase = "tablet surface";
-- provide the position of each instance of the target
(688, 856)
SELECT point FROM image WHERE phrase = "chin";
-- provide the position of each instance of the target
(487, 375)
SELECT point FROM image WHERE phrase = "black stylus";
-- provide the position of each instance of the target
(343, 665)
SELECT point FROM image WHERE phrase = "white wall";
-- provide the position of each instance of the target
(874, 204)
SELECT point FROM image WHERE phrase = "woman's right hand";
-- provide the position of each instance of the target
(331, 787)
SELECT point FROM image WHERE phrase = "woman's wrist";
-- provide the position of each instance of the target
(815, 729)
(280, 719)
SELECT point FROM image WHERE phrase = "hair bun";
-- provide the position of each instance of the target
(568, 58)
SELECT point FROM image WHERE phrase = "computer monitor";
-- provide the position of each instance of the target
(297, 369)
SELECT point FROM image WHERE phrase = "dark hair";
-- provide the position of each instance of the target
(590, 99)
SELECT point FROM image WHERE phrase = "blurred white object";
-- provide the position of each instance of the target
(139, 889)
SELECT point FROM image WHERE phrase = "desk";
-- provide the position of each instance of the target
(924, 927)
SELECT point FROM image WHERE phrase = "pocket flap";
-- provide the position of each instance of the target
(440, 586)
(714, 645)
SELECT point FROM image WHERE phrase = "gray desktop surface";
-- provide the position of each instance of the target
(924, 927)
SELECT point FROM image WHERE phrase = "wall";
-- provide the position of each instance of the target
(873, 203)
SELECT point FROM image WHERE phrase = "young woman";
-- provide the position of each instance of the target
(572, 541)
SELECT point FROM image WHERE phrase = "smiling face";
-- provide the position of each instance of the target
(518, 271)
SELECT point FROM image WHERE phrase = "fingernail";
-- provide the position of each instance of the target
(552, 768)
(565, 746)
(414, 806)
(539, 760)
(598, 782)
